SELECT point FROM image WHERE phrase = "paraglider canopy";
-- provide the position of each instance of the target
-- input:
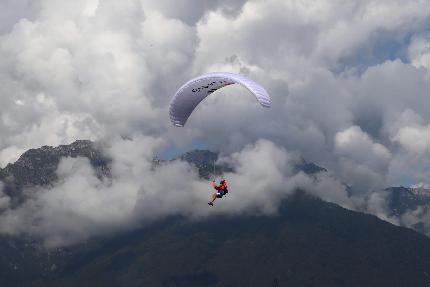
(194, 91)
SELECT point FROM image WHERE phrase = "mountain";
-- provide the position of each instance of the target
(38, 166)
(204, 161)
(401, 199)
(309, 243)
(406, 199)
(309, 167)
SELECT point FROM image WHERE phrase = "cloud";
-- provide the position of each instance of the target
(363, 163)
(356, 145)
(190, 12)
(419, 51)
(80, 205)
(414, 139)
(412, 134)
(419, 218)
(13, 11)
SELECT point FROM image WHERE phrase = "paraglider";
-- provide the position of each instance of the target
(195, 90)
(221, 189)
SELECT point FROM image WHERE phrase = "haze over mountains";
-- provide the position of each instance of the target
(309, 242)
(38, 167)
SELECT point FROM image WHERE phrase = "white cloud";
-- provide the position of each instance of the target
(81, 205)
(419, 51)
(355, 144)
(421, 185)
(412, 134)
(363, 163)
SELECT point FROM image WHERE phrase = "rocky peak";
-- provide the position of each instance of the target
(419, 191)
(402, 199)
(204, 161)
(309, 167)
(38, 166)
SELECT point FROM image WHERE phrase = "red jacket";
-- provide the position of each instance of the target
(221, 186)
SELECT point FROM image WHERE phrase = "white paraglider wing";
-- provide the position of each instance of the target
(195, 90)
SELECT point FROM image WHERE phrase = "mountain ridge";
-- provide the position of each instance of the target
(37, 167)
(308, 243)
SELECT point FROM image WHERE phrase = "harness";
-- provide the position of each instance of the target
(222, 189)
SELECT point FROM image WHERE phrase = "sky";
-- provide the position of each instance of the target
(349, 83)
